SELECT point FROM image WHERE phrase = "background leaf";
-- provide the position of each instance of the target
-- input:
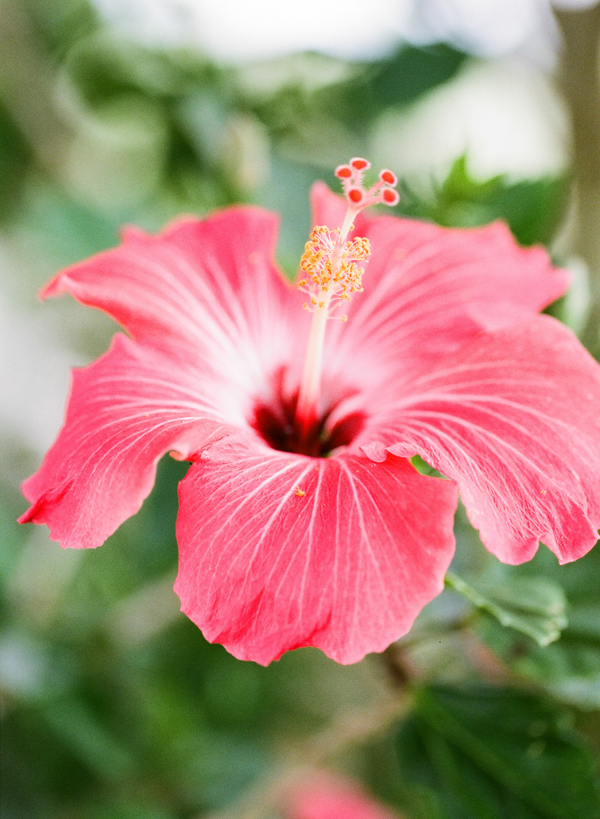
(570, 667)
(532, 605)
(531, 208)
(495, 753)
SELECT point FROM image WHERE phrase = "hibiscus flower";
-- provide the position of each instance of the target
(302, 521)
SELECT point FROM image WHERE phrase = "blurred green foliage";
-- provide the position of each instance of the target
(533, 605)
(114, 706)
(569, 668)
(495, 753)
(14, 158)
(533, 209)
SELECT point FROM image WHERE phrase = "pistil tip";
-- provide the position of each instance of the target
(389, 177)
(390, 197)
(357, 196)
(360, 164)
(343, 171)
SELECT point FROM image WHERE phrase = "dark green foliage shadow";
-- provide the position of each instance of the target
(493, 753)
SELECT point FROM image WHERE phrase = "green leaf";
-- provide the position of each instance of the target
(103, 66)
(570, 667)
(90, 741)
(398, 80)
(531, 605)
(494, 753)
(412, 71)
(424, 468)
(532, 208)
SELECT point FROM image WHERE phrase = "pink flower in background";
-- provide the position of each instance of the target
(333, 797)
(302, 521)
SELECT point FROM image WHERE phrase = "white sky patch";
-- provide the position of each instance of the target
(486, 27)
(238, 31)
(493, 28)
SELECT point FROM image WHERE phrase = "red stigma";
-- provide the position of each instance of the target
(388, 177)
(355, 195)
(343, 171)
(390, 197)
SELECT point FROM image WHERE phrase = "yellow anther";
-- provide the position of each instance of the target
(331, 268)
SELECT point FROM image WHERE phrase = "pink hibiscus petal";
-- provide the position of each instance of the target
(126, 410)
(279, 551)
(429, 290)
(200, 288)
(514, 419)
(333, 797)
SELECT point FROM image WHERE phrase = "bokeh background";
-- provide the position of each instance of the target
(134, 111)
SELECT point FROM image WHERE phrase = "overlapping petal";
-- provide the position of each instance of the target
(204, 289)
(125, 411)
(279, 551)
(514, 418)
(212, 321)
(429, 290)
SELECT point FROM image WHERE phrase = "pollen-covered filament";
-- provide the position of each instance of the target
(331, 269)
(331, 274)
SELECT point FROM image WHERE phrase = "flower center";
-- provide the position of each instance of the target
(276, 423)
(331, 275)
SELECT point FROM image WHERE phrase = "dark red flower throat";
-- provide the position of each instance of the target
(277, 424)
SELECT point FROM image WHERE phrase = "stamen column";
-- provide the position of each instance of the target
(330, 264)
